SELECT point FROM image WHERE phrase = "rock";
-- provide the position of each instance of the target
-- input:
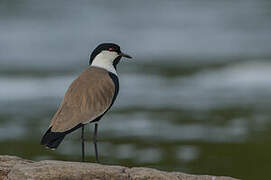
(153, 174)
(15, 168)
(8, 162)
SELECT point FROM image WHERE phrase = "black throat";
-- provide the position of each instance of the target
(116, 62)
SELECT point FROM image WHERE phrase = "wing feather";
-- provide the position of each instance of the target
(88, 97)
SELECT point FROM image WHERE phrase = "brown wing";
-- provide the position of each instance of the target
(89, 96)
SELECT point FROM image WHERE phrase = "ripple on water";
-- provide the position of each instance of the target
(243, 83)
(235, 84)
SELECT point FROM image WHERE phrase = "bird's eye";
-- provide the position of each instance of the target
(110, 49)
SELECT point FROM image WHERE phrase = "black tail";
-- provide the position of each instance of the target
(52, 139)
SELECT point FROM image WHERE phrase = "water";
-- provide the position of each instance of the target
(195, 98)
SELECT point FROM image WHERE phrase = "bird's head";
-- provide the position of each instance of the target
(107, 54)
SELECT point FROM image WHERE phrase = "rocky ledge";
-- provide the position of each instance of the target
(12, 167)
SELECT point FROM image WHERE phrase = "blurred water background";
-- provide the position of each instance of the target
(195, 98)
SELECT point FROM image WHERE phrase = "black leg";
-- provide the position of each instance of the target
(83, 144)
(95, 142)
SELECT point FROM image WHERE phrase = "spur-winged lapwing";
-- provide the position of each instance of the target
(88, 98)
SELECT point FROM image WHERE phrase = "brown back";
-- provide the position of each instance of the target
(89, 96)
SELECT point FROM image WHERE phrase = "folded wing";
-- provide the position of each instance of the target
(88, 97)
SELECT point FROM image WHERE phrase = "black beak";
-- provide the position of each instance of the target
(125, 55)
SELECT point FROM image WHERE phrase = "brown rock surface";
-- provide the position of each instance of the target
(15, 168)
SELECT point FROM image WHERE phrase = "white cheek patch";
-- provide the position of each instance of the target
(105, 60)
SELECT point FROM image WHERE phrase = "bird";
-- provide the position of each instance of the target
(88, 98)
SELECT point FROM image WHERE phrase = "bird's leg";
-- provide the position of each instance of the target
(95, 142)
(83, 144)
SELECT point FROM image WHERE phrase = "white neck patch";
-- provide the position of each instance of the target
(105, 60)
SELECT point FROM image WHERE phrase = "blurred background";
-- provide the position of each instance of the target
(195, 98)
